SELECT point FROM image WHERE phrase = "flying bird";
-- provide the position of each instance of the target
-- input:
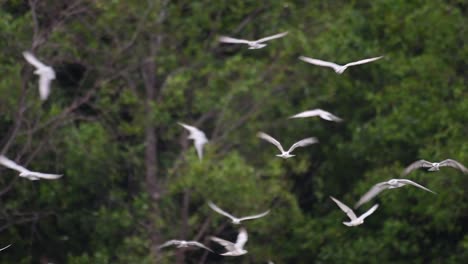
(253, 44)
(1, 249)
(318, 112)
(31, 175)
(355, 221)
(184, 244)
(199, 138)
(391, 184)
(46, 74)
(286, 154)
(338, 68)
(435, 166)
(234, 219)
(236, 249)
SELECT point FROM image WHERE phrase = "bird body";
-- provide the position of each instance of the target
(355, 221)
(318, 112)
(336, 67)
(234, 219)
(234, 249)
(31, 175)
(184, 244)
(435, 166)
(46, 74)
(198, 137)
(287, 154)
(253, 44)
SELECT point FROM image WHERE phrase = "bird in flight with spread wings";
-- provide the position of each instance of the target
(253, 44)
(184, 244)
(355, 221)
(31, 175)
(46, 74)
(198, 136)
(338, 68)
(435, 166)
(234, 249)
(286, 154)
(318, 112)
(234, 219)
(391, 184)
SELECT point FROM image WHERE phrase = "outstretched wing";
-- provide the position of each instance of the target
(310, 113)
(254, 216)
(33, 60)
(405, 181)
(169, 243)
(303, 143)
(46, 176)
(454, 164)
(369, 212)
(3, 248)
(320, 62)
(363, 61)
(416, 165)
(44, 86)
(220, 211)
(12, 165)
(345, 208)
(374, 191)
(198, 137)
(270, 139)
(198, 244)
(280, 35)
(225, 39)
(227, 244)
(241, 238)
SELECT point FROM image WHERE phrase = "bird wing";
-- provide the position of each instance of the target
(374, 191)
(270, 139)
(405, 181)
(345, 208)
(454, 164)
(320, 62)
(369, 212)
(12, 165)
(198, 244)
(1, 249)
(46, 176)
(33, 60)
(254, 216)
(309, 113)
(220, 211)
(304, 142)
(280, 35)
(227, 244)
(242, 238)
(198, 137)
(416, 165)
(44, 86)
(225, 39)
(363, 61)
(169, 243)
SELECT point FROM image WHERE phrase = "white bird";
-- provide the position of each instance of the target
(355, 221)
(391, 184)
(31, 175)
(253, 44)
(338, 68)
(435, 166)
(236, 249)
(1, 249)
(184, 244)
(234, 219)
(199, 138)
(286, 154)
(318, 112)
(46, 74)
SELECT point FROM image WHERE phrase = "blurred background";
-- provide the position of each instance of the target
(128, 71)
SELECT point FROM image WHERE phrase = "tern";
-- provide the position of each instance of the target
(31, 175)
(236, 249)
(435, 166)
(46, 74)
(355, 221)
(253, 44)
(391, 184)
(199, 138)
(184, 244)
(338, 68)
(234, 219)
(318, 112)
(286, 154)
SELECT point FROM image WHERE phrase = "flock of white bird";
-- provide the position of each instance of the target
(47, 74)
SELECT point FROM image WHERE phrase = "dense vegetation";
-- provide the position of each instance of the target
(128, 71)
